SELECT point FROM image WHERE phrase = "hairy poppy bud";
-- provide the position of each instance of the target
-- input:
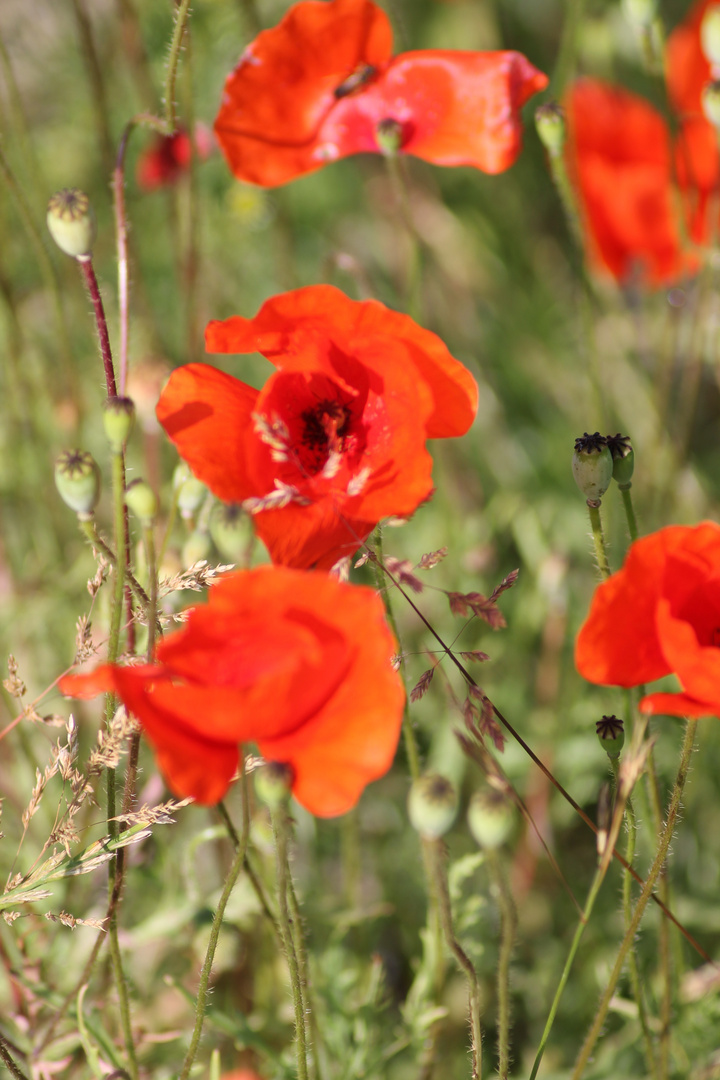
(118, 421)
(231, 530)
(550, 126)
(389, 135)
(272, 784)
(141, 501)
(490, 818)
(196, 547)
(611, 735)
(710, 35)
(432, 805)
(623, 457)
(710, 100)
(640, 13)
(191, 492)
(77, 478)
(592, 466)
(71, 221)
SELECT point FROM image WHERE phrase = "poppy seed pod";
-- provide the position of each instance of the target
(710, 35)
(77, 478)
(273, 783)
(490, 818)
(550, 125)
(389, 135)
(118, 421)
(230, 530)
(71, 221)
(432, 805)
(592, 465)
(623, 457)
(191, 492)
(611, 735)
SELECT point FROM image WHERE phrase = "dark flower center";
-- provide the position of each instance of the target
(325, 427)
(360, 77)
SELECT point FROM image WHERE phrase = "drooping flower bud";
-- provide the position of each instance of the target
(118, 421)
(710, 35)
(77, 478)
(196, 548)
(141, 501)
(231, 531)
(272, 784)
(623, 457)
(71, 221)
(191, 492)
(389, 136)
(550, 125)
(611, 735)
(592, 466)
(710, 100)
(432, 805)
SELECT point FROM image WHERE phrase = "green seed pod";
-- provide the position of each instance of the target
(273, 783)
(640, 13)
(611, 735)
(231, 530)
(490, 818)
(623, 457)
(77, 478)
(141, 501)
(118, 421)
(710, 100)
(550, 126)
(389, 136)
(432, 805)
(196, 548)
(592, 466)
(191, 492)
(71, 221)
(710, 35)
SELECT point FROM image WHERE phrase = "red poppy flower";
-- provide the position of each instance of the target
(298, 664)
(697, 159)
(335, 440)
(660, 614)
(619, 154)
(319, 85)
(169, 156)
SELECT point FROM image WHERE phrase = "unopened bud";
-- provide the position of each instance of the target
(231, 530)
(118, 421)
(710, 100)
(611, 735)
(550, 125)
(77, 478)
(196, 548)
(640, 13)
(141, 501)
(191, 492)
(710, 35)
(623, 457)
(592, 466)
(432, 805)
(71, 221)
(273, 783)
(490, 818)
(389, 136)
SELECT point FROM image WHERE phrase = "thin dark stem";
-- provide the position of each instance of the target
(88, 273)
(8, 1061)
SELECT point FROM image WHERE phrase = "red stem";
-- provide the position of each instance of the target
(93, 288)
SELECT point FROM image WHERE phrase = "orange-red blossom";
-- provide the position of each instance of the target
(297, 664)
(335, 440)
(659, 615)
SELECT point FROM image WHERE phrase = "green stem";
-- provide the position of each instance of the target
(436, 851)
(89, 528)
(567, 54)
(149, 544)
(181, 18)
(402, 199)
(206, 972)
(304, 973)
(629, 511)
(598, 537)
(658, 863)
(9, 1063)
(632, 957)
(280, 829)
(508, 927)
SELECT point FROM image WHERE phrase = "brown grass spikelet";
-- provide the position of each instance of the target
(422, 685)
(14, 684)
(402, 570)
(432, 558)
